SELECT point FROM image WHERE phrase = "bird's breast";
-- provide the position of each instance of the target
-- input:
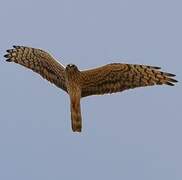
(73, 87)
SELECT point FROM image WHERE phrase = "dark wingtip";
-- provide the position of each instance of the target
(173, 80)
(156, 67)
(8, 60)
(6, 55)
(15, 46)
(170, 84)
(9, 50)
(170, 74)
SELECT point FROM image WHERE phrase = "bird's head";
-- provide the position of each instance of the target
(72, 71)
(71, 68)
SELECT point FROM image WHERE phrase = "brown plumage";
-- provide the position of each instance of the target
(110, 78)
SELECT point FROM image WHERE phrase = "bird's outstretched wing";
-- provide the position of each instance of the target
(117, 77)
(39, 61)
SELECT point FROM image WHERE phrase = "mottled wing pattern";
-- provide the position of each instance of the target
(118, 77)
(39, 61)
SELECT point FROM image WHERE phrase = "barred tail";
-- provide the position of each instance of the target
(76, 119)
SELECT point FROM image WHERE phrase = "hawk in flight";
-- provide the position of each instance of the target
(110, 78)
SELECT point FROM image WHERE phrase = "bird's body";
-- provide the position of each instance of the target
(110, 78)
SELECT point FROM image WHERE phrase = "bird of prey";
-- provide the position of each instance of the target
(110, 78)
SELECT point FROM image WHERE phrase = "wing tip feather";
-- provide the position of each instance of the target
(9, 54)
(170, 74)
(6, 55)
(16, 47)
(169, 83)
(173, 80)
(155, 67)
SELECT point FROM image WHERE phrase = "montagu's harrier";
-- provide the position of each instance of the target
(110, 78)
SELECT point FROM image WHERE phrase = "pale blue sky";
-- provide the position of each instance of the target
(131, 135)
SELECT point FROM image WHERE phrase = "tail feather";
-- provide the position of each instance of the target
(76, 119)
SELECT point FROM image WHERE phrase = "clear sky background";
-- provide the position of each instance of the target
(131, 135)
